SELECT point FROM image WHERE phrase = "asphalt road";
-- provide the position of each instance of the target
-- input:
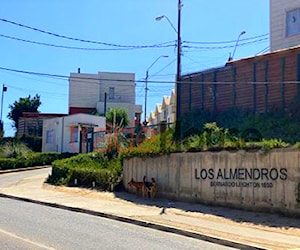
(30, 226)
(26, 225)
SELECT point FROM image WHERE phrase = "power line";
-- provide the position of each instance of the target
(163, 45)
(81, 78)
(163, 68)
(81, 40)
(226, 46)
(224, 42)
(160, 45)
(45, 92)
(263, 51)
(151, 81)
(38, 80)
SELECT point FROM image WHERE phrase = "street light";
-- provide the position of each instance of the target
(164, 16)
(178, 73)
(146, 86)
(4, 89)
(237, 41)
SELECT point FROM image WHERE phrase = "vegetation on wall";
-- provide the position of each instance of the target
(248, 126)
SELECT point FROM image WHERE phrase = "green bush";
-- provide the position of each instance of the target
(212, 138)
(86, 170)
(32, 142)
(13, 149)
(31, 159)
(247, 125)
(10, 163)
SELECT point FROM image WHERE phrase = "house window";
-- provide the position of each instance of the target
(293, 22)
(111, 93)
(164, 114)
(50, 136)
(74, 134)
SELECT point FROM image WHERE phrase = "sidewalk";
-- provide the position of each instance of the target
(230, 227)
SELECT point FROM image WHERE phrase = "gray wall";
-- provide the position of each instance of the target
(250, 180)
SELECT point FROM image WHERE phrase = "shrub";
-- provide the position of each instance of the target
(87, 170)
(13, 149)
(273, 124)
(32, 142)
(30, 160)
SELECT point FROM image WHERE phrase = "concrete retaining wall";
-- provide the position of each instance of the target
(249, 180)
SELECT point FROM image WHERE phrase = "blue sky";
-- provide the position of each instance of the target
(208, 32)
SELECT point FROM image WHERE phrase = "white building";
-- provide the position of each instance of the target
(90, 93)
(284, 23)
(164, 112)
(73, 133)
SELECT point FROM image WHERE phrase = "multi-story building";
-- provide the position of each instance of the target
(165, 111)
(97, 93)
(171, 108)
(285, 23)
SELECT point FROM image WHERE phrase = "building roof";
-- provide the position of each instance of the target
(41, 115)
(165, 102)
(158, 108)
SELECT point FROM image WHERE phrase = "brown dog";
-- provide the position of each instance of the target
(151, 187)
(139, 186)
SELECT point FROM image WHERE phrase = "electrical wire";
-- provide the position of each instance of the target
(263, 51)
(163, 68)
(224, 42)
(225, 47)
(160, 45)
(83, 48)
(151, 81)
(81, 40)
(78, 78)
(45, 92)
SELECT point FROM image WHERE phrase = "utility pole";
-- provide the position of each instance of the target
(178, 73)
(105, 103)
(146, 90)
(4, 89)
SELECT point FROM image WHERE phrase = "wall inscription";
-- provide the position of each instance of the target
(242, 177)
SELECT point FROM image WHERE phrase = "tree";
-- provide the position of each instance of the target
(118, 117)
(26, 104)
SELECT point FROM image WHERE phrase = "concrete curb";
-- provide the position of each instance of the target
(137, 222)
(22, 169)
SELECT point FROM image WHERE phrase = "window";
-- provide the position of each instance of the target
(74, 134)
(164, 114)
(50, 136)
(293, 22)
(111, 93)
